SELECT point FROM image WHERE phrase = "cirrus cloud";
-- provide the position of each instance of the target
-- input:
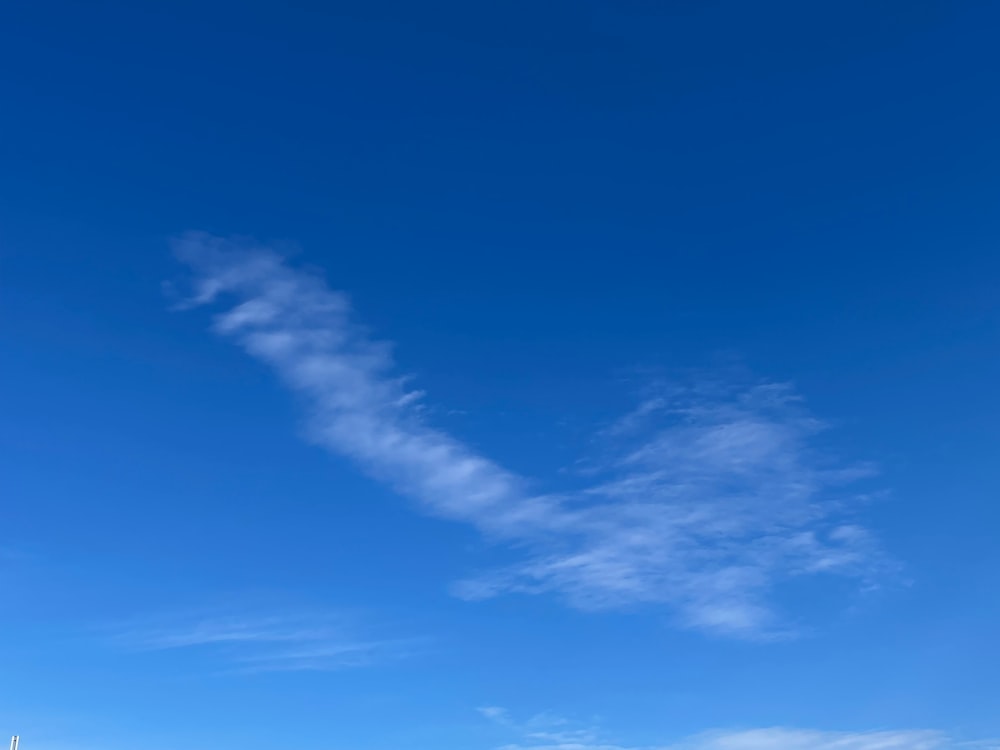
(712, 494)
(547, 731)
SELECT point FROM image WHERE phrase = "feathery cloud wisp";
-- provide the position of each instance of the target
(548, 732)
(712, 495)
(255, 643)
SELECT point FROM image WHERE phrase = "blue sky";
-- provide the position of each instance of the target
(467, 376)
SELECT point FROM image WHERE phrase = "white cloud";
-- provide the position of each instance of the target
(547, 732)
(260, 643)
(711, 496)
(776, 738)
(799, 739)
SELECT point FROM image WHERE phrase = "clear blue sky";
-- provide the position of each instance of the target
(593, 375)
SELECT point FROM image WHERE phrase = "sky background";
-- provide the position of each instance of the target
(593, 375)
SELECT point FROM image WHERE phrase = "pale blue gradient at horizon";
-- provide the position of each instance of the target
(591, 375)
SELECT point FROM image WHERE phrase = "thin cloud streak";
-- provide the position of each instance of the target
(252, 643)
(777, 738)
(710, 496)
(293, 322)
(549, 732)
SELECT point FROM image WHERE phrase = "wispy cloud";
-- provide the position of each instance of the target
(710, 496)
(255, 643)
(549, 732)
(778, 738)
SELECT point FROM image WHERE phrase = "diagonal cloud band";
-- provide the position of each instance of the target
(712, 494)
